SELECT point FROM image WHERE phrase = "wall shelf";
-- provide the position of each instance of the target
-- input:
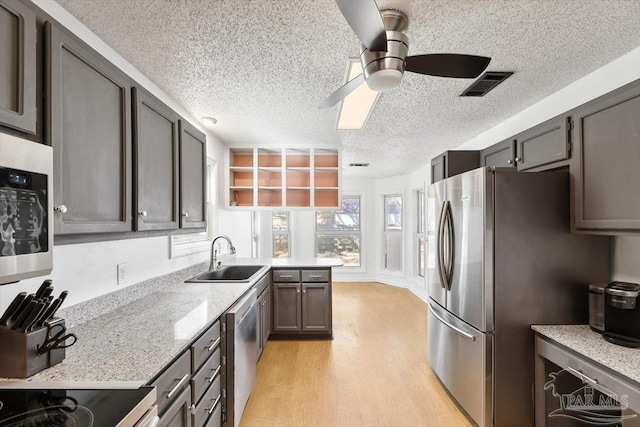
(276, 178)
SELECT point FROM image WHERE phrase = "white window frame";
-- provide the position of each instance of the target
(286, 232)
(420, 225)
(386, 231)
(361, 235)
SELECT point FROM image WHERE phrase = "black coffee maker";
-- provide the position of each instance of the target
(622, 314)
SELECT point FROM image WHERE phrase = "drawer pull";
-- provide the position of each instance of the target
(215, 343)
(215, 403)
(315, 276)
(214, 374)
(178, 386)
(286, 276)
(581, 375)
(193, 409)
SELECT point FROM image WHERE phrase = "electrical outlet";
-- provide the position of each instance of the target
(123, 270)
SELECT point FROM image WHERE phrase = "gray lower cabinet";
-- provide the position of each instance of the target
(543, 144)
(89, 118)
(287, 307)
(18, 72)
(502, 154)
(316, 309)
(193, 168)
(156, 171)
(452, 163)
(605, 170)
(178, 414)
(264, 316)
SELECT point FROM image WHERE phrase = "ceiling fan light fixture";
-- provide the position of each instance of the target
(383, 80)
(356, 107)
(209, 121)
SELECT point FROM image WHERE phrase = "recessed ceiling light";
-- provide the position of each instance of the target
(209, 121)
(356, 107)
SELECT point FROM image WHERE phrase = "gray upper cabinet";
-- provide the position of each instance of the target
(90, 131)
(605, 170)
(502, 154)
(452, 163)
(316, 309)
(287, 308)
(18, 72)
(543, 144)
(156, 159)
(193, 168)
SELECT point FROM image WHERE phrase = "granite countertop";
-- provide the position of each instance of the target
(582, 340)
(135, 342)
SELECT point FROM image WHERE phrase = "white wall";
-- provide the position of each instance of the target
(89, 270)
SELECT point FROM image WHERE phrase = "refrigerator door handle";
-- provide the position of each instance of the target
(440, 247)
(451, 245)
(450, 326)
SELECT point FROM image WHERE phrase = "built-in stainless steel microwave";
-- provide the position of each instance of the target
(26, 215)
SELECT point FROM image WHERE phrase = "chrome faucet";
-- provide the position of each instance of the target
(214, 252)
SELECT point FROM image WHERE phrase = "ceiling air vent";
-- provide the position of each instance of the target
(486, 82)
(359, 165)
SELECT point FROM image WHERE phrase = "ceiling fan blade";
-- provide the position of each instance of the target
(364, 18)
(341, 93)
(447, 65)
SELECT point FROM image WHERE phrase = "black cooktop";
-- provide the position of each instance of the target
(67, 408)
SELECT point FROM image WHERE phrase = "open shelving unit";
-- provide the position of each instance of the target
(277, 178)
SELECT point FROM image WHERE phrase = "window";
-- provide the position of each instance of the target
(393, 232)
(281, 232)
(338, 233)
(420, 242)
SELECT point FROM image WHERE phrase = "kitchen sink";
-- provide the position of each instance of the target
(230, 273)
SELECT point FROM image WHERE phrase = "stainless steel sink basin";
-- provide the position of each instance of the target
(230, 273)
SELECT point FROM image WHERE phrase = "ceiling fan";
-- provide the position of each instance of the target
(383, 54)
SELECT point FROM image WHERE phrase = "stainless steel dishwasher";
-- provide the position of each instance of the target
(241, 349)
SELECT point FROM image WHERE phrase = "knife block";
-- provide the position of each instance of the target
(19, 356)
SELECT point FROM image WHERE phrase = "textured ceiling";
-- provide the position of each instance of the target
(261, 67)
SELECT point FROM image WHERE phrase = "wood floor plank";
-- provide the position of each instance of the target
(373, 373)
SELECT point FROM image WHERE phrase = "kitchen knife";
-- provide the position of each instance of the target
(42, 289)
(24, 314)
(15, 304)
(51, 311)
(47, 292)
(18, 312)
(31, 318)
(41, 318)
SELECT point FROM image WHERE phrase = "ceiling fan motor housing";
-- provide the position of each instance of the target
(384, 70)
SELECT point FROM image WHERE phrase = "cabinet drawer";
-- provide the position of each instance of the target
(205, 346)
(173, 380)
(206, 375)
(315, 276)
(286, 276)
(209, 403)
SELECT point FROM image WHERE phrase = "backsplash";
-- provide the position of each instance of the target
(626, 259)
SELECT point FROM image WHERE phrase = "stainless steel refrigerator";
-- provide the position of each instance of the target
(501, 257)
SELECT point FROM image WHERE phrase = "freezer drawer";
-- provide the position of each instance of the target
(461, 357)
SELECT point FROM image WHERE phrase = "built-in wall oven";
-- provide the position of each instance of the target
(26, 220)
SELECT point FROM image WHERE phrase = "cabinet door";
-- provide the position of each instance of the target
(18, 72)
(287, 307)
(316, 313)
(156, 160)
(439, 168)
(607, 148)
(543, 144)
(178, 414)
(89, 116)
(193, 178)
(269, 315)
(501, 154)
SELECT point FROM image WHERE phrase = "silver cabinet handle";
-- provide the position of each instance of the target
(214, 374)
(193, 409)
(215, 343)
(449, 325)
(315, 276)
(186, 214)
(581, 375)
(215, 403)
(60, 208)
(510, 161)
(142, 213)
(518, 159)
(298, 290)
(286, 276)
(178, 386)
(304, 291)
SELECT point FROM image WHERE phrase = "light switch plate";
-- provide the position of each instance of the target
(123, 270)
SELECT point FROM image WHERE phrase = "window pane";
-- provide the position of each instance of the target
(280, 220)
(421, 256)
(281, 246)
(344, 246)
(420, 218)
(393, 212)
(393, 251)
(346, 219)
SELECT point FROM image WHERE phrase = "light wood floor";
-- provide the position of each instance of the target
(373, 373)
